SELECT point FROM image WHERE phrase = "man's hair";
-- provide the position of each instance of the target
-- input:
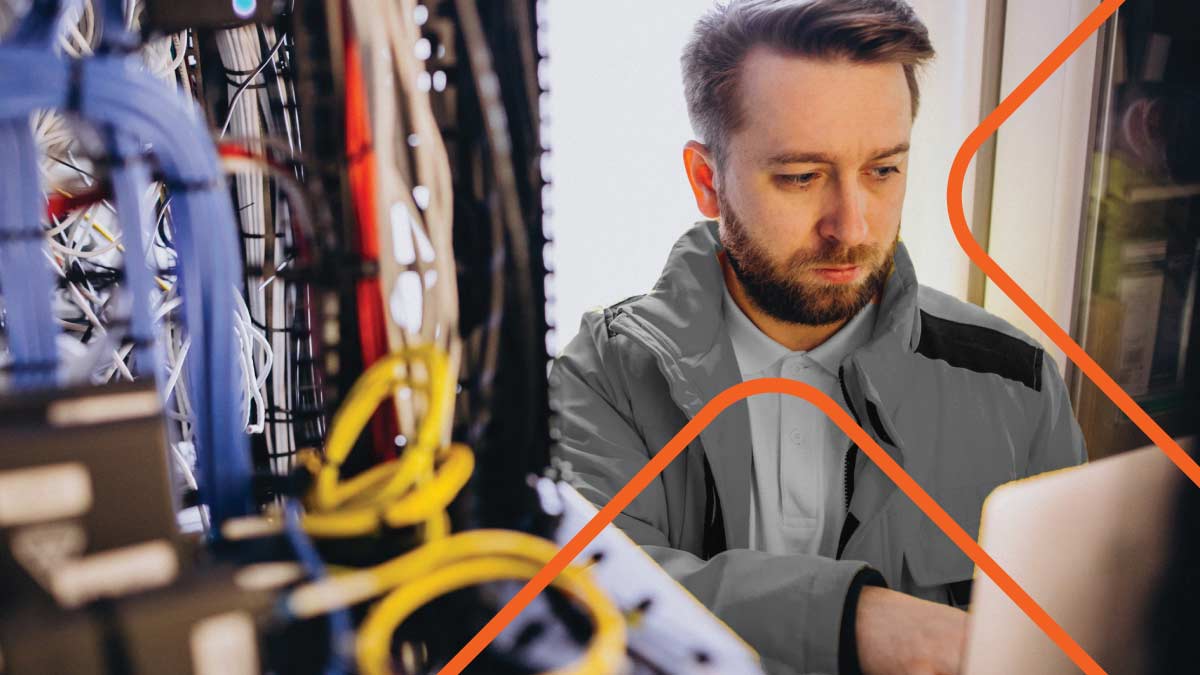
(863, 31)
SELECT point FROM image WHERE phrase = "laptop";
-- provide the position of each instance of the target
(1086, 543)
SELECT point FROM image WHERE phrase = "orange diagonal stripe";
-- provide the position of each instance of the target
(1013, 290)
(1006, 284)
(768, 385)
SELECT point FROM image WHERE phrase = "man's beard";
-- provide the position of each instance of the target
(782, 294)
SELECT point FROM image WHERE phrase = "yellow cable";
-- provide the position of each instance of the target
(425, 505)
(415, 464)
(356, 587)
(451, 477)
(107, 235)
(605, 652)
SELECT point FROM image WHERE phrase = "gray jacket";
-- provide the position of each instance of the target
(959, 398)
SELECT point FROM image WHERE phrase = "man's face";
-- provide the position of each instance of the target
(811, 188)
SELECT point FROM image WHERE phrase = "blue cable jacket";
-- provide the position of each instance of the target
(341, 631)
(26, 276)
(130, 180)
(41, 23)
(111, 92)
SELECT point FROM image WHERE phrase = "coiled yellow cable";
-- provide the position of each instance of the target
(413, 489)
(462, 560)
(605, 652)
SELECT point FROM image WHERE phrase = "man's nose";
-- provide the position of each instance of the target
(845, 219)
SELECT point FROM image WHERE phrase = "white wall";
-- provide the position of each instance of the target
(950, 94)
(618, 125)
(1041, 158)
(618, 119)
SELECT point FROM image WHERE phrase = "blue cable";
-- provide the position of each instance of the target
(341, 631)
(130, 180)
(26, 276)
(108, 91)
(42, 23)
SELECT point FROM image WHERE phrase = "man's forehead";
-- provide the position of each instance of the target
(835, 108)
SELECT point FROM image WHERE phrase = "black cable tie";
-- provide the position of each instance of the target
(184, 185)
(79, 275)
(112, 160)
(238, 83)
(359, 153)
(23, 234)
(74, 101)
(29, 366)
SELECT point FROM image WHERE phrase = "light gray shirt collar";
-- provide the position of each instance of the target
(756, 350)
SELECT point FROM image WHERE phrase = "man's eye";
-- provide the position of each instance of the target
(799, 179)
(882, 172)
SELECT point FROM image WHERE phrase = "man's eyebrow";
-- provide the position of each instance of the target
(822, 158)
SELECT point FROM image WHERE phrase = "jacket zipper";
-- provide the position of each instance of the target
(848, 474)
(848, 467)
(847, 463)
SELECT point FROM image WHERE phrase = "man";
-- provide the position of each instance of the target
(772, 517)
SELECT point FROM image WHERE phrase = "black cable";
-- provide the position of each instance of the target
(237, 94)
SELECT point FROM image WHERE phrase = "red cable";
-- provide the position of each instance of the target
(362, 176)
(59, 206)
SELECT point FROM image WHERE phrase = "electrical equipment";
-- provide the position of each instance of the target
(85, 501)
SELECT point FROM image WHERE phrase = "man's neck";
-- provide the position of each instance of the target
(794, 336)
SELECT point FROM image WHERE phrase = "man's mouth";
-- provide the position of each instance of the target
(838, 274)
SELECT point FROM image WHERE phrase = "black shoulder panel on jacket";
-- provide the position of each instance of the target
(981, 349)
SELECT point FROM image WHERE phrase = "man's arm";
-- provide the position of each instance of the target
(788, 607)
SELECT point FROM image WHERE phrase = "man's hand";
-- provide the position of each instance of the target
(901, 635)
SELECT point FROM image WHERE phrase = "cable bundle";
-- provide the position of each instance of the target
(400, 181)
(133, 108)
(236, 307)
(259, 117)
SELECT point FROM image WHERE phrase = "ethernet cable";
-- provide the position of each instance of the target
(459, 561)
(341, 632)
(410, 490)
(25, 276)
(105, 91)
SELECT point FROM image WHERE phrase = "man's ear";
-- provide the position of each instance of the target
(698, 164)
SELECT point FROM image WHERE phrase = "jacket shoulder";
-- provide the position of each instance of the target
(966, 336)
(597, 346)
(610, 312)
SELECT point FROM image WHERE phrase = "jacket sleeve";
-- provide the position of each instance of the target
(1057, 441)
(788, 607)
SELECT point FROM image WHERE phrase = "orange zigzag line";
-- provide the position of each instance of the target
(1013, 290)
